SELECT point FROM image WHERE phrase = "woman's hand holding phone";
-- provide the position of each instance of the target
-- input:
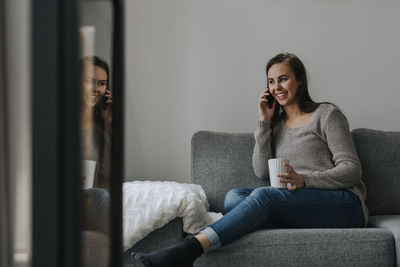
(265, 111)
(106, 109)
(108, 97)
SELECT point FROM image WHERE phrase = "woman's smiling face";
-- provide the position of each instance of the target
(100, 84)
(282, 83)
(95, 84)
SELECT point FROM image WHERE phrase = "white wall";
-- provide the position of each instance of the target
(199, 65)
(99, 14)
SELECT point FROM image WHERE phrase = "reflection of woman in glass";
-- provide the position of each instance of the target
(96, 140)
(325, 172)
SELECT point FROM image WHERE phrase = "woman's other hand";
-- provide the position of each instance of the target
(265, 113)
(297, 180)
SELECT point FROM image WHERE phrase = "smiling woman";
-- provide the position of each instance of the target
(95, 146)
(96, 118)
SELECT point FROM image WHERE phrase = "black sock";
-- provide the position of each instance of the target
(181, 255)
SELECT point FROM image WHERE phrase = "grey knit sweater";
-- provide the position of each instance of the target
(322, 151)
(95, 144)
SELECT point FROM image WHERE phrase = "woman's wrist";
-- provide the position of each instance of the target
(263, 123)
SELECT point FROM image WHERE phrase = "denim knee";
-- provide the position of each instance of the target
(265, 195)
(232, 199)
(96, 209)
(96, 198)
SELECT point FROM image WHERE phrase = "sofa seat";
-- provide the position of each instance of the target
(306, 247)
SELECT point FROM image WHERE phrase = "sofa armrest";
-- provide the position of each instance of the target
(391, 223)
(168, 235)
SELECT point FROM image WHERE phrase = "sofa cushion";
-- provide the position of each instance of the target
(306, 247)
(222, 161)
(379, 153)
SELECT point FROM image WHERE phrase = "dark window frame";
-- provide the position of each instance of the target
(56, 213)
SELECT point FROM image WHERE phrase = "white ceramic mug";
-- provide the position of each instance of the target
(88, 170)
(275, 167)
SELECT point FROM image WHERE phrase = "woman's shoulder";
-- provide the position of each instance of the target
(325, 109)
(329, 112)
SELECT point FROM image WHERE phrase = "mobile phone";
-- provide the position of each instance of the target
(104, 102)
(270, 98)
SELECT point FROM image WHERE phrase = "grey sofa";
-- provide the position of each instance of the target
(222, 161)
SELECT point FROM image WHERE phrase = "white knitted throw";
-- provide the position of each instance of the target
(149, 205)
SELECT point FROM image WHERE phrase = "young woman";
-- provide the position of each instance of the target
(96, 117)
(324, 171)
(95, 141)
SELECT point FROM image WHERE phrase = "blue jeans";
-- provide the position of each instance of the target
(268, 207)
(96, 210)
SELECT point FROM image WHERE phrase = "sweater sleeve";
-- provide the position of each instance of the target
(347, 168)
(262, 149)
